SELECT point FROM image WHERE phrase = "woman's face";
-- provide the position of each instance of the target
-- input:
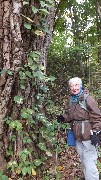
(75, 87)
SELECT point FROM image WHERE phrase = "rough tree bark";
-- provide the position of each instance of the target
(16, 43)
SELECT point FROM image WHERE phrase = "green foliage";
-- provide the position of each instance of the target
(37, 162)
(15, 125)
(36, 130)
(27, 25)
(35, 10)
(24, 153)
(41, 129)
(3, 177)
(18, 99)
(74, 48)
(41, 12)
(57, 176)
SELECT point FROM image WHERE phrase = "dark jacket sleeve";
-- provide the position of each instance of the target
(94, 113)
(66, 113)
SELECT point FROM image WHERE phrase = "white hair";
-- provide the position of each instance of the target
(75, 79)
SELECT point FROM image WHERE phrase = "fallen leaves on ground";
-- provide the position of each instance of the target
(66, 163)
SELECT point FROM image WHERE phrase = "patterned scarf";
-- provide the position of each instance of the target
(74, 98)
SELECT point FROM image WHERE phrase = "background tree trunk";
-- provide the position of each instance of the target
(98, 21)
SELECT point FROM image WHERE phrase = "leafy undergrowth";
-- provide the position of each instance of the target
(64, 165)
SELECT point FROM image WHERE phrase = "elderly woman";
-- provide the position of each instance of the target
(82, 112)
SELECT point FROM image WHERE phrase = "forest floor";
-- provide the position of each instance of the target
(70, 165)
(66, 164)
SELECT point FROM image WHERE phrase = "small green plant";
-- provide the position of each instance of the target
(3, 176)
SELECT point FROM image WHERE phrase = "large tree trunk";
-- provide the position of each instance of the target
(16, 42)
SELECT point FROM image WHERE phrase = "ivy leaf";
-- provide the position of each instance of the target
(51, 78)
(24, 171)
(46, 30)
(26, 151)
(33, 54)
(29, 169)
(40, 75)
(37, 162)
(18, 99)
(30, 61)
(18, 125)
(23, 156)
(22, 86)
(28, 73)
(30, 111)
(8, 120)
(22, 75)
(44, 11)
(12, 125)
(38, 52)
(13, 138)
(24, 115)
(29, 140)
(27, 26)
(42, 146)
(40, 97)
(44, 88)
(0, 174)
(35, 66)
(9, 72)
(4, 177)
(49, 153)
(34, 9)
(43, 4)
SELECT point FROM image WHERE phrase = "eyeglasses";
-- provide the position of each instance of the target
(74, 86)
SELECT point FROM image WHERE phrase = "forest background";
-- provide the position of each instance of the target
(43, 44)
